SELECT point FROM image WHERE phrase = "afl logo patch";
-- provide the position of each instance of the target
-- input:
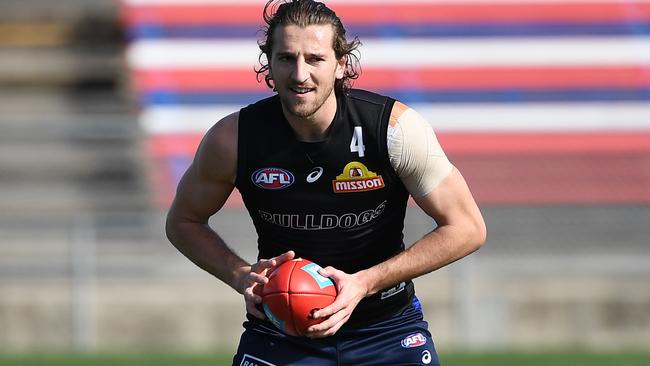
(272, 178)
(414, 340)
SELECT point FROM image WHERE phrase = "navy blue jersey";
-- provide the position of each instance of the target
(337, 202)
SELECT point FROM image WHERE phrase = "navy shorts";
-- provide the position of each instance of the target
(402, 339)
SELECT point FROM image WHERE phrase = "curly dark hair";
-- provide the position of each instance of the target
(304, 13)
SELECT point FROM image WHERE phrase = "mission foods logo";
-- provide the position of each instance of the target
(272, 178)
(357, 178)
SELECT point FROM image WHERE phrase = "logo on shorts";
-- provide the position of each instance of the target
(414, 340)
(426, 357)
(357, 178)
(272, 178)
(249, 360)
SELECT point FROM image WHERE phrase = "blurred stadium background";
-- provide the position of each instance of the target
(542, 104)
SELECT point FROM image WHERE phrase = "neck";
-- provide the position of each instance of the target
(314, 127)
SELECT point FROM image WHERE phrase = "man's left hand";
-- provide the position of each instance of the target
(351, 290)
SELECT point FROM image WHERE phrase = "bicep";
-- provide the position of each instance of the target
(198, 197)
(452, 203)
(209, 181)
(420, 162)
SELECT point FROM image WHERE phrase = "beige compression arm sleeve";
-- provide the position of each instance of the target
(414, 151)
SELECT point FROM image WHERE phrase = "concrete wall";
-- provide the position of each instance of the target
(99, 293)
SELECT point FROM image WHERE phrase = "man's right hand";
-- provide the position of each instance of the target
(256, 278)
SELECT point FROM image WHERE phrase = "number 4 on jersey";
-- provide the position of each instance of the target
(356, 145)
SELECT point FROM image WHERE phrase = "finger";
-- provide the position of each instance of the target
(332, 316)
(251, 296)
(329, 310)
(336, 327)
(328, 327)
(329, 331)
(287, 256)
(254, 311)
(326, 272)
(326, 324)
(258, 278)
(332, 273)
(258, 290)
(262, 265)
(265, 264)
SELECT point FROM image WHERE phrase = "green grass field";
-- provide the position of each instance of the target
(554, 358)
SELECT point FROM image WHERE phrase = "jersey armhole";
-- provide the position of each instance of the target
(388, 118)
(242, 131)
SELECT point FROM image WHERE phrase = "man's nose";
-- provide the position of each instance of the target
(301, 71)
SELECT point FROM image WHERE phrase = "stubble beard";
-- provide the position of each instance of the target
(305, 109)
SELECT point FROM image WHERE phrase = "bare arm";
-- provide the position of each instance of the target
(461, 231)
(202, 192)
(440, 190)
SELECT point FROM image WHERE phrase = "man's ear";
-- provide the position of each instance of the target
(269, 77)
(269, 81)
(340, 67)
(269, 73)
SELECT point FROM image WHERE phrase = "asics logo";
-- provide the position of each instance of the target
(426, 357)
(315, 174)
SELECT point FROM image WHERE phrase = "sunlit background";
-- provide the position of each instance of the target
(542, 104)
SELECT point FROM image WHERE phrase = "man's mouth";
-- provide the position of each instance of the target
(301, 90)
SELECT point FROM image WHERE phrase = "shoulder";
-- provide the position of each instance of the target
(403, 118)
(223, 134)
(216, 156)
(360, 95)
(265, 105)
(414, 151)
(255, 116)
(397, 111)
(368, 107)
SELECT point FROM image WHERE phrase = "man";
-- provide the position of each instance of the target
(325, 172)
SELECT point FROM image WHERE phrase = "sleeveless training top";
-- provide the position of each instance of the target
(337, 202)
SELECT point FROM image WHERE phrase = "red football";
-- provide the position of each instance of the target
(294, 291)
